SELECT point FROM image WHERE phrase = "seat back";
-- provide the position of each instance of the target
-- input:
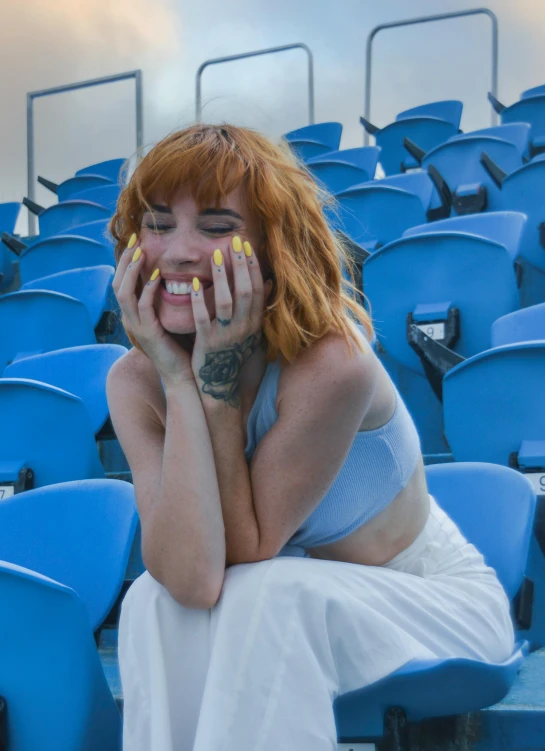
(78, 533)
(448, 109)
(534, 91)
(111, 169)
(530, 110)
(517, 133)
(523, 325)
(98, 230)
(494, 509)
(9, 213)
(55, 689)
(35, 321)
(314, 140)
(339, 170)
(466, 272)
(62, 253)
(74, 185)
(426, 132)
(79, 370)
(492, 402)
(68, 214)
(104, 195)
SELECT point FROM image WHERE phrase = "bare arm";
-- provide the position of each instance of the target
(183, 538)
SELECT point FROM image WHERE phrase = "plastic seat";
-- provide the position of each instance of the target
(79, 370)
(78, 533)
(427, 125)
(314, 140)
(494, 508)
(9, 213)
(68, 188)
(529, 109)
(68, 214)
(98, 231)
(106, 196)
(377, 212)
(36, 321)
(523, 325)
(111, 169)
(62, 253)
(339, 170)
(56, 693)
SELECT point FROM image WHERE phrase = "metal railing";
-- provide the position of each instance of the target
(256, 53)
(31, 96)
(427, 19)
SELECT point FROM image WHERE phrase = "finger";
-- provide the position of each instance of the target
(146, 309)
(256, 278)
(242, 281)
(126, 294)
(200, 311)
(222, 293)
(124, 261)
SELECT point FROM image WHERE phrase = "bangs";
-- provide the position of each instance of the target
(207, 163)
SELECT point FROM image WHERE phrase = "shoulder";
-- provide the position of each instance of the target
(329, 370)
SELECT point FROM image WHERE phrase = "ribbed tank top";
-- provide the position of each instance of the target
(379, 464)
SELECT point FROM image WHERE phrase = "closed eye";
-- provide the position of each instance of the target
(159, 227)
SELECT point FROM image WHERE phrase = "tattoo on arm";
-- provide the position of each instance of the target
(221, 370)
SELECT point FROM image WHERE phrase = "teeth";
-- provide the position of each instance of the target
(178, 288)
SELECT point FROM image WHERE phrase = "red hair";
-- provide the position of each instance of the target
(310, 297)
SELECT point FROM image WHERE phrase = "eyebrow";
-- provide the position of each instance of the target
(220, 212)
(161, 209)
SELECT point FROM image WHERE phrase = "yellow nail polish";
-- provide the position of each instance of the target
(218, 257)
(237, 244)
(154, 276)
(132, 241)
(247, 249)
(196, 284)
(137, 254)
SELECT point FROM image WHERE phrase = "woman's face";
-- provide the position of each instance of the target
(179, 240)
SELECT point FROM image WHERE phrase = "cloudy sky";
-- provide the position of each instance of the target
(46, 43)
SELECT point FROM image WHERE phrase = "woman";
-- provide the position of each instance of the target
(292, 550)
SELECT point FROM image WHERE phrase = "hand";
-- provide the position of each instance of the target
(172, 362)
(223, 345)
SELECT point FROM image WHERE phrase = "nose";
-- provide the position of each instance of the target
(182, 247)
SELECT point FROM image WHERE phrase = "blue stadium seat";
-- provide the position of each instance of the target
(534, 91)
(79, 370)
(62, 216)
(106, 196)
(377, 212)
(48, 437)
(339, 170)
(65, 190)
(523, 325)
(111, 169)
(77, 533)
(62, 253)
(494, 508)
(9, 213)
(529, 109)
(428, 126)
(92, 286)
(98, 231)
(458, 161)
(56, 694)
(314, 140)
(36, 321)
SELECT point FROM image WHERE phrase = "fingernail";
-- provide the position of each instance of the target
(237, 244)
(196, 284)
(218, 257)
(132, 241)
(247, 249)
(137, 254)
(154, 276)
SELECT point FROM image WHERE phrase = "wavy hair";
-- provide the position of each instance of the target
(310, 295)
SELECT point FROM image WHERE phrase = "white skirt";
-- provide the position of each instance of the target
(260, 670)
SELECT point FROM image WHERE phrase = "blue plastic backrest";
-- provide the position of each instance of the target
(516, 133)
(78, 533)
(530, 110)
(77, 184)
(521, 326)
(68, 214)
(426, 132)
(47, 430)
(9, 213)
(56, 692)
(79, 370)
(328, 134)
(494, 508)
(522, 190)
(449, 110)
(534, 91)
(37, 321)
(475, 274)
(98, 231)
(111, 169)
(339, 170)
(62, 253)
(504, 227)
(91, 286)
(492, 402)
(105, 195)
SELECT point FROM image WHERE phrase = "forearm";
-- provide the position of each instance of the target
(239, 518)
(185, 526)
